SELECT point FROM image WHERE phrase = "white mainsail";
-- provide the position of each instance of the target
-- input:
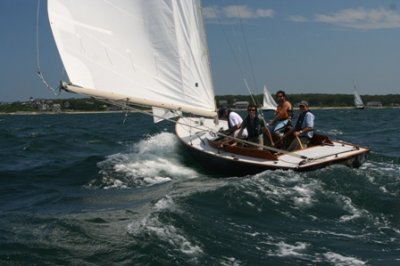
(268, 102)
(150, 52)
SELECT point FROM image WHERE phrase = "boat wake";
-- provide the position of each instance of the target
(325, 203)
(151, 161)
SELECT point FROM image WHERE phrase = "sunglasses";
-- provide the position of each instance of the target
(251, 110)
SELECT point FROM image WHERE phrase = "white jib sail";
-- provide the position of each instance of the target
(151, 52)
(268, 102)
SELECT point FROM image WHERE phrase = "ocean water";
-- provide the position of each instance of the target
(88, 189)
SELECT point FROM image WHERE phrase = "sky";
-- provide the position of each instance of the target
(299, 46)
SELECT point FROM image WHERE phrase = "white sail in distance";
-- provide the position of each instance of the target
(358, 102)
(268, 102)
(150, 52)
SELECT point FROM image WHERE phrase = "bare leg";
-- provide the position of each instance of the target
(269, 136)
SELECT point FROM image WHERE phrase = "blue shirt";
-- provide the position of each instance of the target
(306, 120)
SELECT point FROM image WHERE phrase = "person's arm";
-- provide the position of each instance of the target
(308, 126)
(276, 117)
(289, 110)
(301, 132)
(287, 114)
(233, 129)
(243, 126)
(290, 132)
(235, 120)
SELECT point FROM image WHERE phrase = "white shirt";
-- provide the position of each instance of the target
(236, 120)
(309, 122)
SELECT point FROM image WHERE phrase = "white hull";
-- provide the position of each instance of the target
(195, 133)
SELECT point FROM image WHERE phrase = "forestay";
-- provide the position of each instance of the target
(150, 52)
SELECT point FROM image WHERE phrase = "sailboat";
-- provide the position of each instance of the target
(268, 102)
(154, 53)
(358, 102)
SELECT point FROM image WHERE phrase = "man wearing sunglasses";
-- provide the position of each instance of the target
(254, 126)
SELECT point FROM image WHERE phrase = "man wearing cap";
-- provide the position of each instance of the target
(303, 131)
(234, 121)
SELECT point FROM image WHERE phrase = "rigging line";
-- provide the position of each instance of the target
(38, 71)
(260, 112)
(251, 94)
(247, 49)
(235, 57)
(37, 35)
(123, 104)
(126, 112)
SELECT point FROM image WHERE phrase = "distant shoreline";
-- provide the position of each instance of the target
(68, 113)
(109, 112)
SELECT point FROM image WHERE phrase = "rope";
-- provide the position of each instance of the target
(40, 75)
(126, 111)
(247, 49)
(299, 141)
(251, 94)
(39, 72)
(37, 35)
(228, 42)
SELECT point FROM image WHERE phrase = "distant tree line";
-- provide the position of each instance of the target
(318, 99)
(44, 105)
(90, 104)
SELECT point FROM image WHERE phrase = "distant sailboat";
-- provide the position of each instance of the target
(154, 53)
(358, 102)
(268, 102)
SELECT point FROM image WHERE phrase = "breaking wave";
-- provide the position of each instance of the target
(151, 161)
